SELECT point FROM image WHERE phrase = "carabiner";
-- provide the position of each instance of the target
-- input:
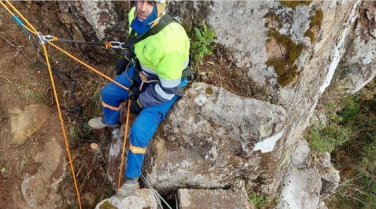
(42, 39)
(114, 44)
(49, 38)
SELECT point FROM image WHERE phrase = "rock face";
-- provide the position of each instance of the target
(41, 190)
(357, 67)
(143, 198)
(212, 138)
(210, 141)
(24, 123)
(305, 185)
(210, 199)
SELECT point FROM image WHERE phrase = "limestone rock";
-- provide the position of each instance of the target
(143, 198)
(41, 190)
(212, 199)
(305, 186)
(209, 141)
(358, 66)
(24, 123)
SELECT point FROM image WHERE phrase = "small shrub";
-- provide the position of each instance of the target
(259, 200)
(350, 111)
(202, 45)
(326, 137)
(356, 158)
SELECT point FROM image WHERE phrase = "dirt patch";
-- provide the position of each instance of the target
(24, 81)
(220, 69)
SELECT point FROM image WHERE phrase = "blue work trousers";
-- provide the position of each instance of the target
(143, 127)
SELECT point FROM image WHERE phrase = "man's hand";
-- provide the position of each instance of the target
(136, 107)
(120, 65)
(133, 92)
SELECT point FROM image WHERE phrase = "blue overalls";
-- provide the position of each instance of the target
(143, 127)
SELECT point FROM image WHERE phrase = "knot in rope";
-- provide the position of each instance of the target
(145, 79)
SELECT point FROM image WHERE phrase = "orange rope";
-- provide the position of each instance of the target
(23, 18)
(55, 95)
(34, 31)
(1, 2)
(30, 30)
(125, 141)
(62, 124)
(88, 66)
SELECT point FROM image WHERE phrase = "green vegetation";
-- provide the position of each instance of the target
(316, 21)
(107, 205)
(350, 135)
(284, 66)
(259, 200)
(40, 98)
(95, 105)
(325, 137)
(30, 91)
(293, 4)
(202, 44)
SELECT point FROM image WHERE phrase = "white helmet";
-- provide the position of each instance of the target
(161, 6)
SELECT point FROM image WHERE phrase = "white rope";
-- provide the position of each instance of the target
(176, 201)
(156, 194)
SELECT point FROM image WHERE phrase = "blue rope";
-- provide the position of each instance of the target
(22, 25)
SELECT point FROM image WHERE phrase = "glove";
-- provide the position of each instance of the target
(120, 65)
(136, 107)
(133, 92)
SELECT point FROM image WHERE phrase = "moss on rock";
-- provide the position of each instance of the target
(284, 65)
(293, 4)
(315, 23)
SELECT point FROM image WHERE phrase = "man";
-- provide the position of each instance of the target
(162, 57)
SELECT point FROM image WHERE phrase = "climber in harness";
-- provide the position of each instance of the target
(161, 58)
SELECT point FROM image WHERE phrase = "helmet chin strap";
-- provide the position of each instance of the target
(161, 6)
(143, 26)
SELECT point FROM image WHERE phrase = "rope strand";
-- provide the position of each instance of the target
(62, 125)
(124, 143)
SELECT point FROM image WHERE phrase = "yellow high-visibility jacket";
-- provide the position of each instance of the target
(162, 56)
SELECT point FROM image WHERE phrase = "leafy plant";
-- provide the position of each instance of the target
(259, 200)
(202, 45)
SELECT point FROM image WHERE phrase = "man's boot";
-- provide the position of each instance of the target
(98, 123)
(128, 188)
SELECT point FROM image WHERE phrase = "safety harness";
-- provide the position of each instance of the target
(166, 19)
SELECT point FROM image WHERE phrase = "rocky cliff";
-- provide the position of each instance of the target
(218, 141)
